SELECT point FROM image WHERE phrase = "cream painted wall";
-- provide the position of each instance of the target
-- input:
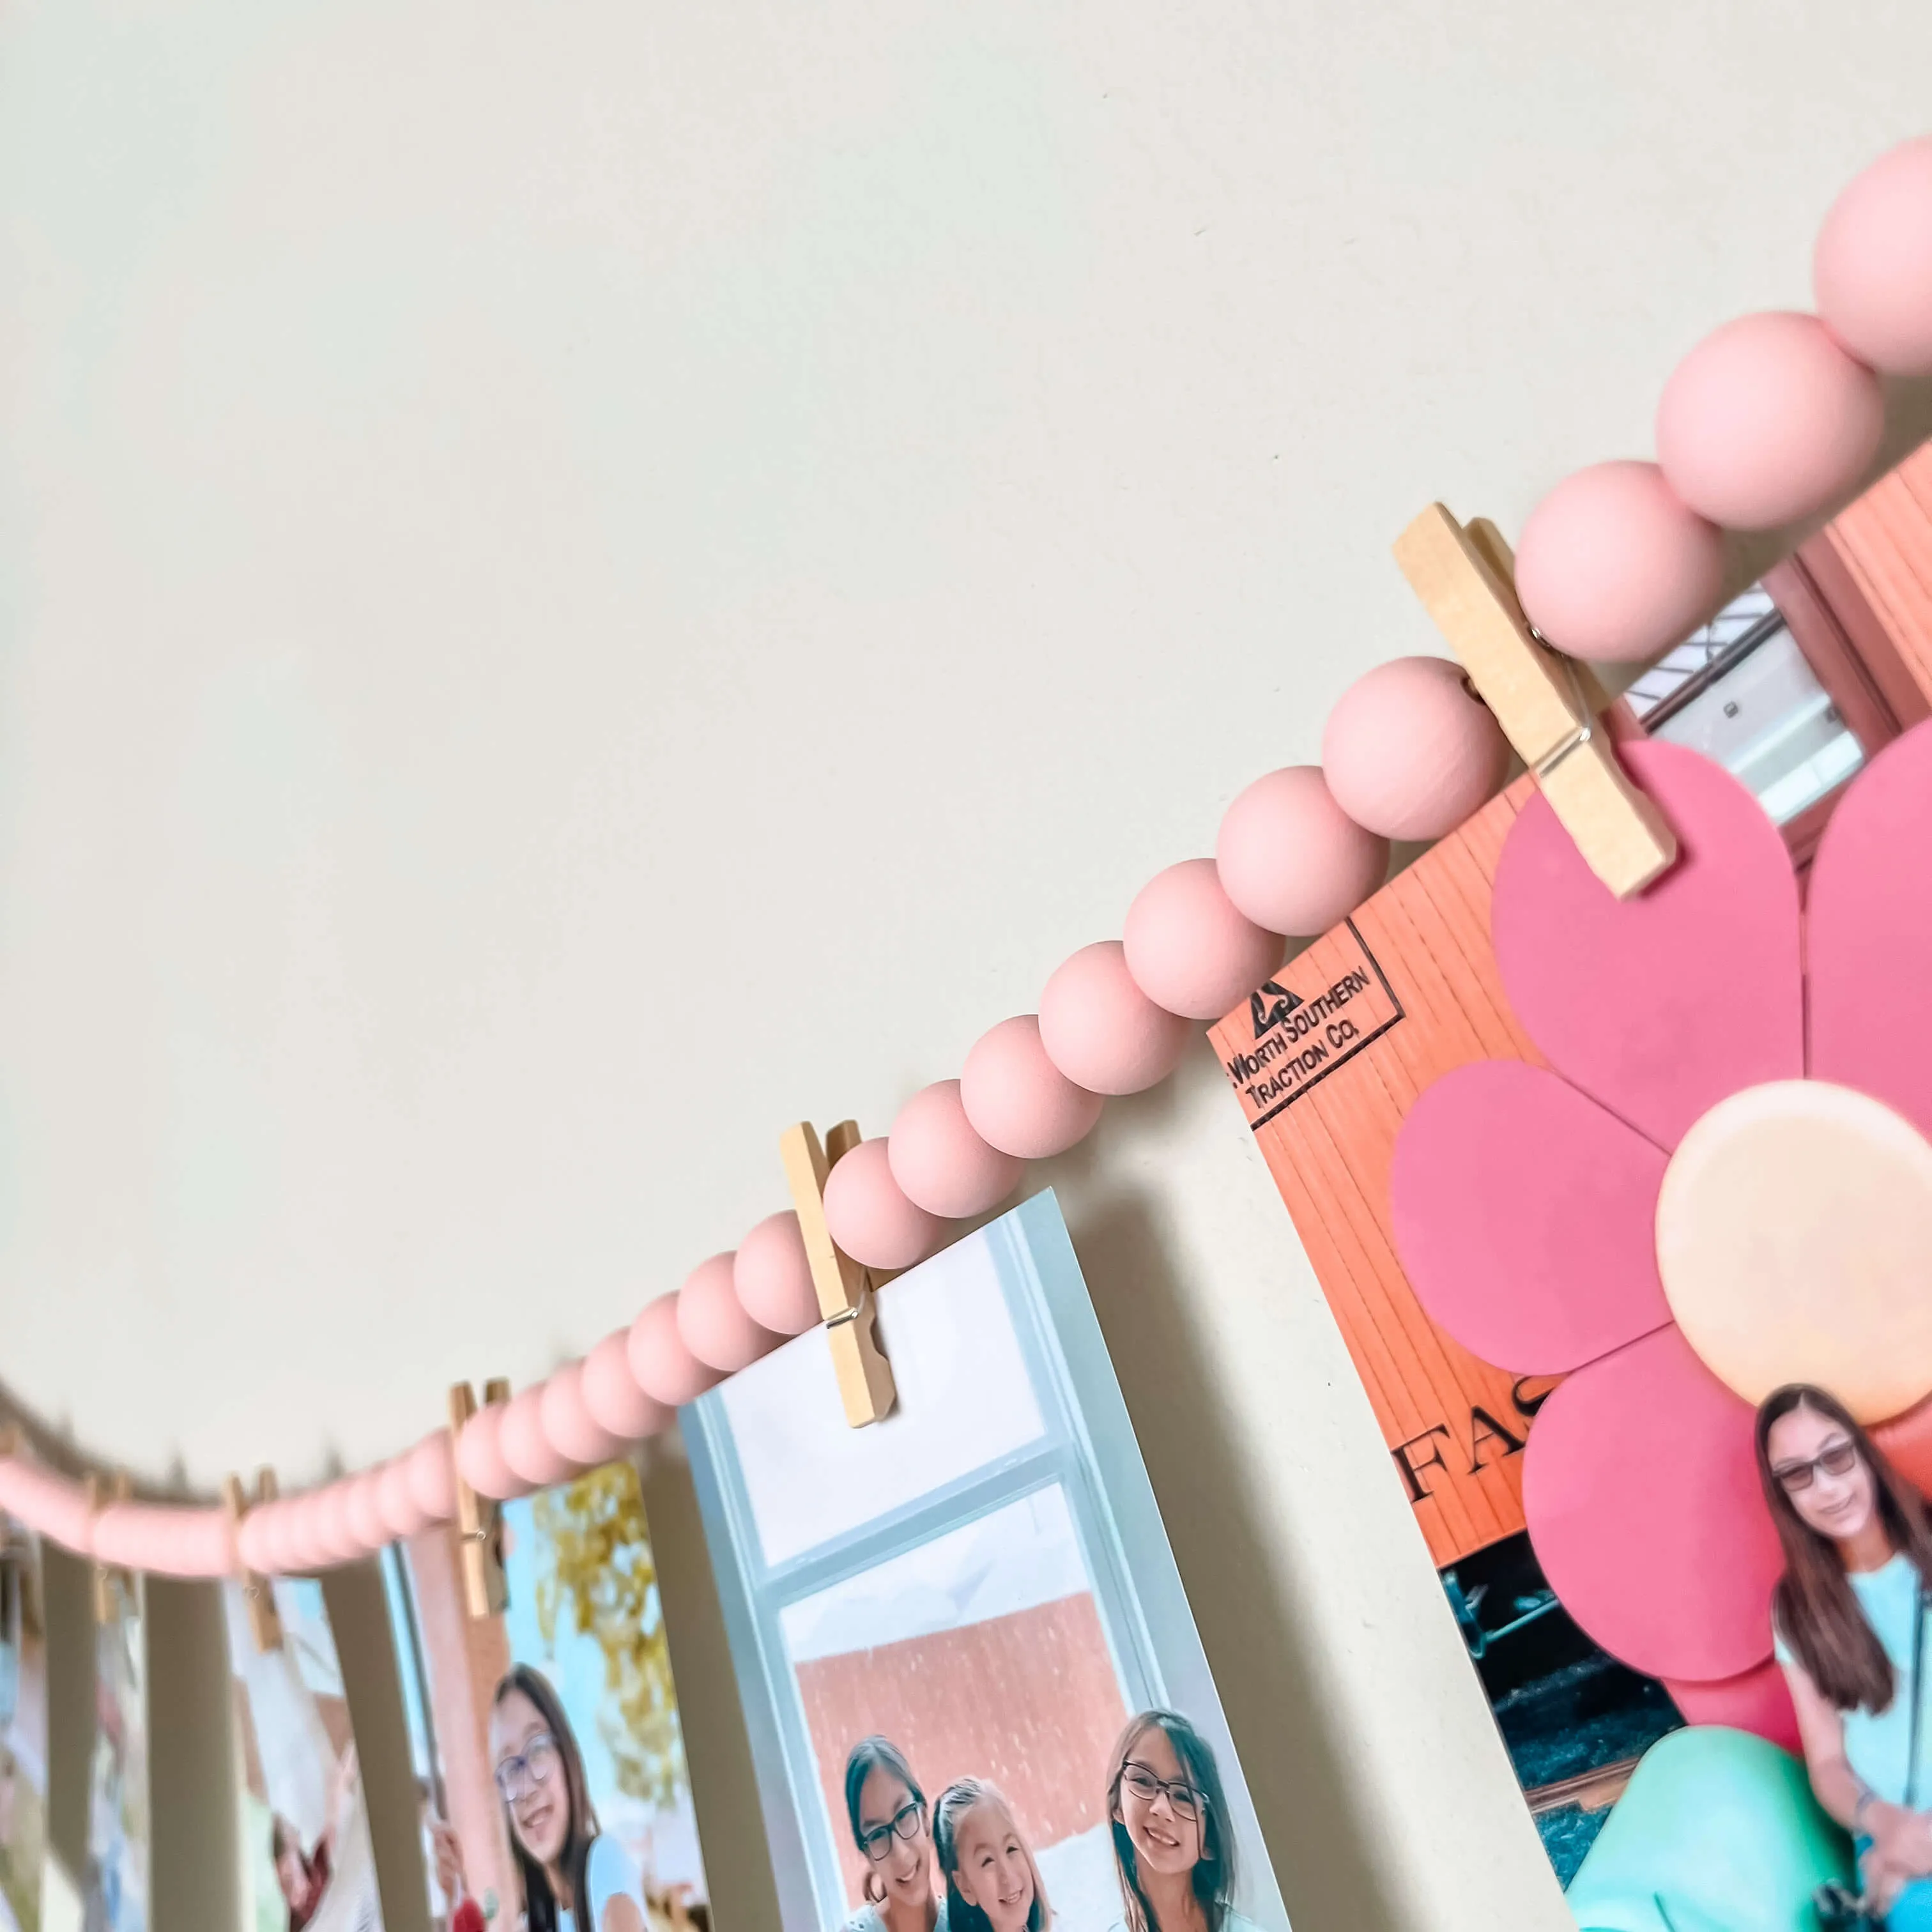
(579, 583)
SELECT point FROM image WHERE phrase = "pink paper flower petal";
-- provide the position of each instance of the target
(1759, 1702)
(1868, 933)
(1660, 1005)
(1524, 1216)
(1641, 1489)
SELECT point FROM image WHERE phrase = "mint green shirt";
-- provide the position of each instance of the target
(1877, 1743)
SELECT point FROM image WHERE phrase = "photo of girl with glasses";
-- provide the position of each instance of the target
(1173, 1853)
(886, 1810)
(568, 1866)
(1848, 1617)
(992, 1884)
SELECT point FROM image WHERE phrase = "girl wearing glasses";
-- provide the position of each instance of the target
(886, 1810)
(1846, 1616)
(992, 1884)
(567, 1866)
(1173, 1853)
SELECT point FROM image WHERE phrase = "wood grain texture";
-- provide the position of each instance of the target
(1452, 1423)
(1884, 541)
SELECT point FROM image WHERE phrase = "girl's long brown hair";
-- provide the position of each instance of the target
(1815, 1607)
(1214, 1874)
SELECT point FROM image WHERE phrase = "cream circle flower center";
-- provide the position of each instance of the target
(1794, 1237)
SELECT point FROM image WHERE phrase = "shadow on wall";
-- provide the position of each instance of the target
(1326, 1868)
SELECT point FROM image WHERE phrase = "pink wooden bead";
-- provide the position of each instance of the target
(573, 1430)
(1187, 947)
(1101, 1030)
(611, 1394)
(1290, 858)
(54, 1504)
(1613, 567)
(431, 1479)
(1872, 270)
(1017, 1099)
(402, 1515)
(773, 1277)
(480, 1460)
(310, 1546)
(1408, 753)
(277, 1539)
(868, 1216)
(335, 1537)
(712, 1321)
(365, 1511)
(940, 1164)
(528, 1450)
(662, 1366)
(1767, 421)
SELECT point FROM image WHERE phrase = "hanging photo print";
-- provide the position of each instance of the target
(23, 1727)
(1624, 1209)
(973, 1683)
(549, 1755)
(309, 1864)
(118, 1837)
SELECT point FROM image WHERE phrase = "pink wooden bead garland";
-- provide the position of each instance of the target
(1017, 1099)
(1614, 569)
(1408, 753)
(1188, 946)
(1871, 273)
(942, 1166)
(1101, 1030)
(712, 1321)
(1769, 420)
(1291, 859)
(869, 1216)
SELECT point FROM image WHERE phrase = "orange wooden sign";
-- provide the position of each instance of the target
(1328, 1059)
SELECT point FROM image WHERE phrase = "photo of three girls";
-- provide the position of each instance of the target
(1173, 1845)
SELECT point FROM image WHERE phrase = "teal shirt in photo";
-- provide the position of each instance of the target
(1878, 1743)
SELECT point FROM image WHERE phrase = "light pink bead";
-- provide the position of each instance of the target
(713, 1322)
(335, 1534)
(1767, 421)
(660, 1365)
(480, 1459)
(55, 1505)
(940, 1164)
(1187, 947)
(1872, 270)
(1614, 568)
(870, 1219)
(309, 1547)
(1101, 1030)
(773, 1277)
(1017, 1099)
(432, 1482)
(402, 1515)
(573, 1430)
(365, 1511)
(277, 1536)
(1408, 753)
(611, 1394)
(1290, 858)
(528, 1450)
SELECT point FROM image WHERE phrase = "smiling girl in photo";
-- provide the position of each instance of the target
(992, 1884)
(1173, 1848)
(563, 1858)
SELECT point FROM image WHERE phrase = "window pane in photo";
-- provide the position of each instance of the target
(964, 1356)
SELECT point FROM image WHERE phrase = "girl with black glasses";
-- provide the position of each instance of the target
(1173, 1848)
(886, 1810)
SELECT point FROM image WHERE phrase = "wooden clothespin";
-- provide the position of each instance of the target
(479, 1519)
(843, 1287)
(113, 1586)
(1548, 705)
(258, 1592)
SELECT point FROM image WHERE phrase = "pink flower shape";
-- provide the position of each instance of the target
(1673, 1214)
